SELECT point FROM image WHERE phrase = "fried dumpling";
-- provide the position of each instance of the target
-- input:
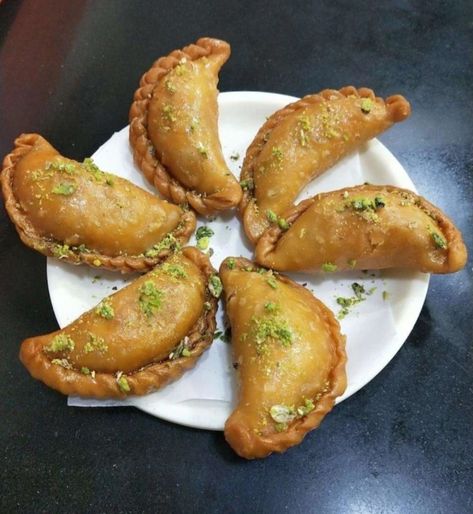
(289, 355)
(304, 139)
(364, 227)
(174, 128)
(136, 340)
(77, 213)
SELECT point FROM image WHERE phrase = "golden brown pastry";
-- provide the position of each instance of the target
(174, 128)
(289, 355)
(301, 141)
(136, 340)
(364, 227)
(77, 213)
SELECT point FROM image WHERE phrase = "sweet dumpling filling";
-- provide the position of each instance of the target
(136, 340)
(78, 213)
(364, 227)
(289, 356)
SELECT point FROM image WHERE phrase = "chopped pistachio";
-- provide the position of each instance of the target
(283, 224)
(207, 306)
(84, 370)
(105, 309)
(277, 153)
(167, 243)
(64, 189)
(280, 427)
(204, 231)
(282, 413)
(123, 383)
(271, 306)
(379, 202)
(231, 263)
(385, 295)
(358, 289)
(60, 343)
(181, 350)
(170, 87)
(175, 270)
(95, 343)
(272, 216)
(439, 241)
(329, 267)
(366, 105)
(247, 184)
(168, 113)
(64, 363)
(203, 150)
(272, 282)
(203, 243)
(215, 286)
(61, 251)
(271, 327)
(150, 299)
(352, 263)
(308, 406)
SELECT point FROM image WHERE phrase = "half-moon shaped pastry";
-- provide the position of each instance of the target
(77, 213)
(289, 355)
(174, 128)
(304, 139)
(364, 227)
(136, 340)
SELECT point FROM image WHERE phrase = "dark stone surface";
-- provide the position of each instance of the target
(404, 443)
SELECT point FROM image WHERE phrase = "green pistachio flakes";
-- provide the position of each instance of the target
(64, 189)
(150, 299)
(105, 309)
(60, 343)
(215, 286)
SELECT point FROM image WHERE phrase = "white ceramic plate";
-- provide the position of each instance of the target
(375, 329)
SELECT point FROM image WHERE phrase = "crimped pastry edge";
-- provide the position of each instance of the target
(143, 381)
(397, 105)
(249, 445)
(126, 264)
(143, 149)
(456, 247)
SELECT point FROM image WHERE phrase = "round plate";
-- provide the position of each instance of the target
(375, 328)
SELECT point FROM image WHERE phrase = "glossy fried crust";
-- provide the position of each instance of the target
(142, 381)
(392, 110)
(47, 246)
(143, 149)
(345, 229)
(242, 436)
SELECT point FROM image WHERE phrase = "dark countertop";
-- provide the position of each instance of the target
(404, 442)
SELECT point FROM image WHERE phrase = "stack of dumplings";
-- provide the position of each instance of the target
(289, 353)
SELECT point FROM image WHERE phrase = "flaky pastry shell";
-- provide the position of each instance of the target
(364, 227)
(174, 131)
(69, 367)
(302, 140)
(65, 210)
(289, 355)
